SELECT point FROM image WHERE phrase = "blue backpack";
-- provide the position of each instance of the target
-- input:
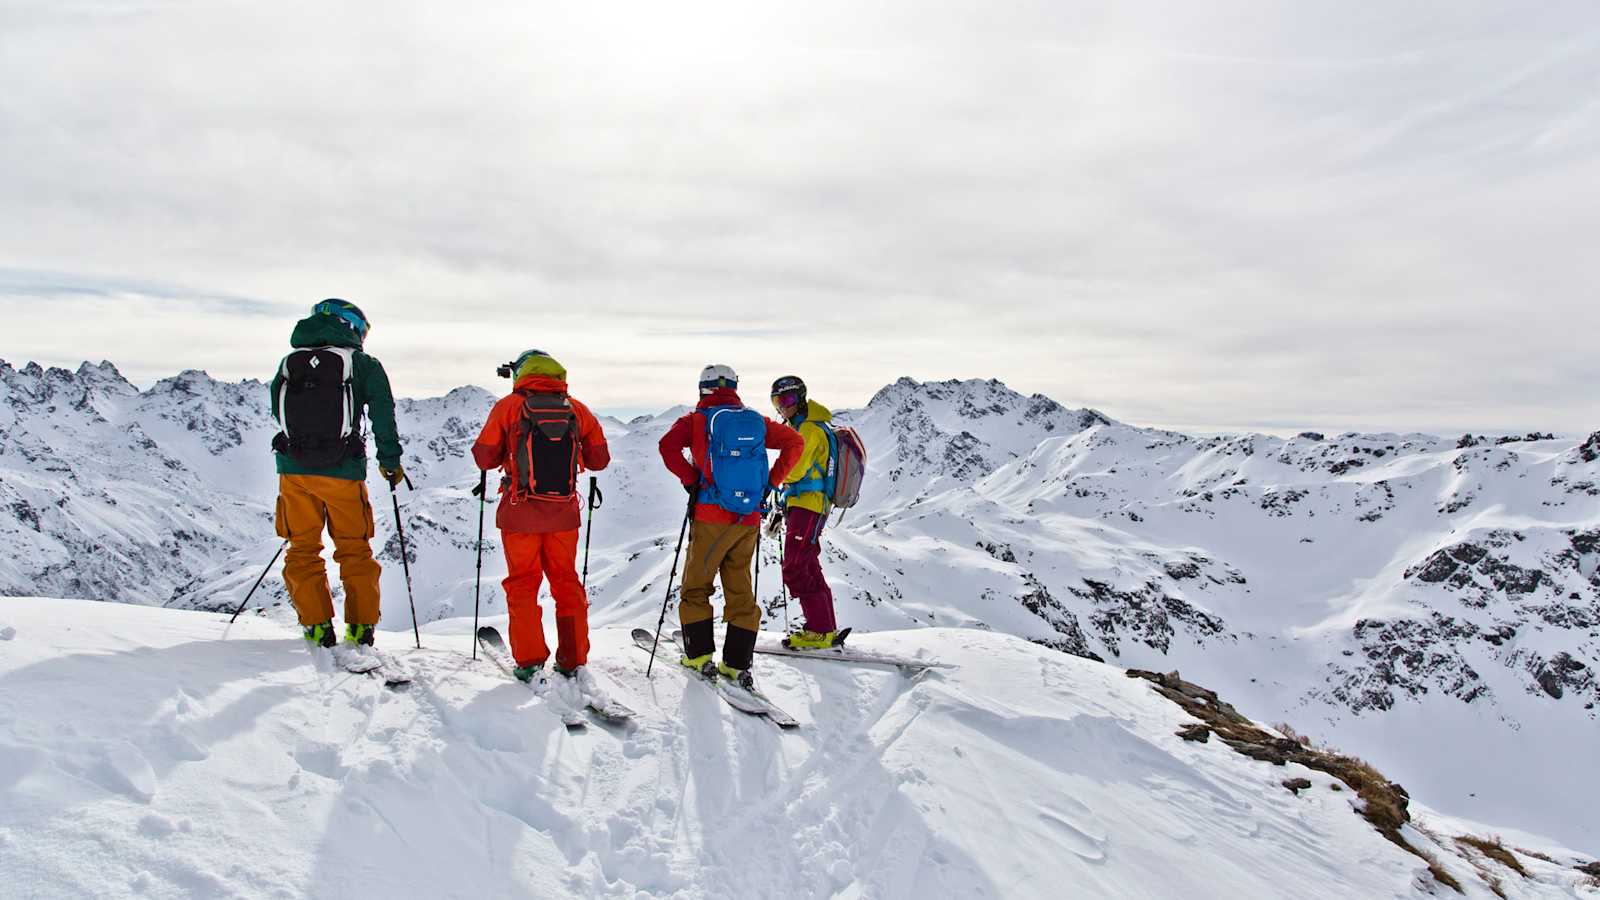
(736, 452)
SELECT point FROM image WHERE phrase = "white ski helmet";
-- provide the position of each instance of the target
(717, 376)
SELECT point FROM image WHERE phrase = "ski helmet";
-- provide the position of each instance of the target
(789, 392)
(717, 376)
(538, 362)
(346, 312)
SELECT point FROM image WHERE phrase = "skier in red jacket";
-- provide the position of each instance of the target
(721, 542)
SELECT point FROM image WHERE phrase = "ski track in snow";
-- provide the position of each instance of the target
(141, 755)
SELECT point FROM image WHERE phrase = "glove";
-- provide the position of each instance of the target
(775, 523)
(394, 474)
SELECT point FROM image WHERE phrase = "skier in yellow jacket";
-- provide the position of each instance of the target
(804, 514)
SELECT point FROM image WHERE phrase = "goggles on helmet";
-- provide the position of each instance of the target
(344, 313)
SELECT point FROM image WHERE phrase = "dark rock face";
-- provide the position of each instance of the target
(1562, 673)
(1148, 615)
(1409, 657)
(1589, 450)
(1038, 600)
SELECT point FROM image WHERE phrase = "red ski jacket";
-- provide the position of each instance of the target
(495, 446)
(689, 433)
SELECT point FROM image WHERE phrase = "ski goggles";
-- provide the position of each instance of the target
(786, 400)
(348, 316)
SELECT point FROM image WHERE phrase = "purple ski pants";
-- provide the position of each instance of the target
(802, 569)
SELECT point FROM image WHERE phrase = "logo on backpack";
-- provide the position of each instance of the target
(317, 412)
(544, 460)
(736, 459)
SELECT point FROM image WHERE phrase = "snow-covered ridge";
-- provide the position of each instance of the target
(1398, 593)
(159, 753)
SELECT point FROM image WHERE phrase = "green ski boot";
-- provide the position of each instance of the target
(741, 677)
(359, 634)
(810, 640)
(702, 664)
(320, 634)
(526, 674)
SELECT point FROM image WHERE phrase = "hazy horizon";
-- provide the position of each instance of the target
(1241, 216)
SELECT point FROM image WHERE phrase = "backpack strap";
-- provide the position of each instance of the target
(816, 479)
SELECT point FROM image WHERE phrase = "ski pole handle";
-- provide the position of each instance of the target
(596, 498)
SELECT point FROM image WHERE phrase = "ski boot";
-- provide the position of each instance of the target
(810, 640)
(701, 664)
(741, 677)
(527, 674)
(577, 675)
(359, 634)
(320, 634)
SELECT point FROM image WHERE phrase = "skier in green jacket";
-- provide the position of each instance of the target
(318, 395)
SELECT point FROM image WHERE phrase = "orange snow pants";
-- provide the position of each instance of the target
(531, 558)
(306, 505)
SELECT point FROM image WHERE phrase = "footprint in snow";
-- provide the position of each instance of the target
(125, 770)
(1076, 838)
(321, 759)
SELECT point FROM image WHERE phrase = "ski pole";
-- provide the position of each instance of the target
(405, 561)
(477, 587)
(596, 500)
(687, 514)
(784, 584)
(258, 582)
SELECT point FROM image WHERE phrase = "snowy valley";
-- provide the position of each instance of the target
(1429, 604)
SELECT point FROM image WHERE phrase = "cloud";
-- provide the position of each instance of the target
(1235, 213)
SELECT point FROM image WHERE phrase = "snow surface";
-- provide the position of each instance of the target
(160, 753)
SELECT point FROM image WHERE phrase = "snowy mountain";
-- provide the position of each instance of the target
(1400, 595)
(159, 753)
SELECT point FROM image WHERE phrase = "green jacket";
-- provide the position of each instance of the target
(370, 385)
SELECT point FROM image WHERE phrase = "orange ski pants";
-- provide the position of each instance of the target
(306, 505)
(531, 558)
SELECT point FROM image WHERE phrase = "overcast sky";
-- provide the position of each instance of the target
(1301, 214)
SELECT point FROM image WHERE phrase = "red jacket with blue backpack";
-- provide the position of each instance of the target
(690, 433)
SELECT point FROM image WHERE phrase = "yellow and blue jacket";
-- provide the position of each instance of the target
(813, 462)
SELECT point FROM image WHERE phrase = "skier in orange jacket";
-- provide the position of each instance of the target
(541, 438)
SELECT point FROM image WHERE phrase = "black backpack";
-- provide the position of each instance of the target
(317, 409)
(544, 458)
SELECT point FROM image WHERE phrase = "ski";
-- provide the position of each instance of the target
(369, 661)
(748, 702)
(840, 653)
(600, 702)
(494, 647)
